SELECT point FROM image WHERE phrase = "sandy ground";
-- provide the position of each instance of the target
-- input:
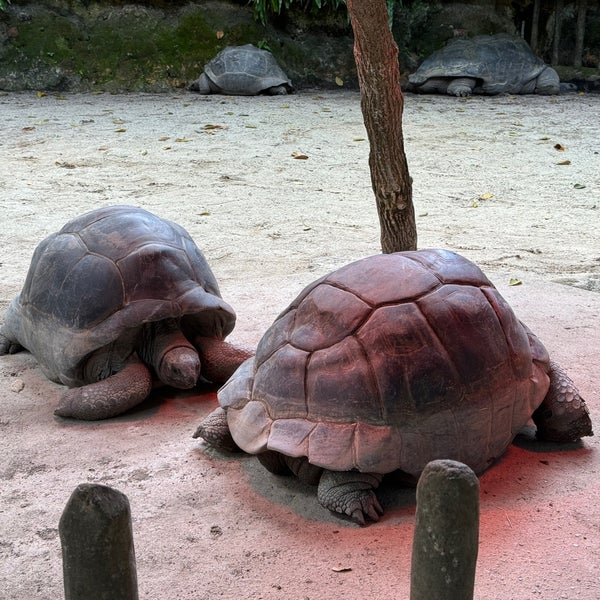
(488, 182)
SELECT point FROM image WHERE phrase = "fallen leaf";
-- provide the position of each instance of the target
(204, 214)
(28, 128)
(564, 162)
(486, 196)
(41, 94)
(559, 147)
(475, 204)
(121, 130)
(514, 281)
(341, 569)
(183, 139)
(210, 126)
(544, 139)
(220, 35)
(299, 156)
(64, 164)
(118, 121)
(359, 139)
(339, 81)
(163, 139)
(579, 186)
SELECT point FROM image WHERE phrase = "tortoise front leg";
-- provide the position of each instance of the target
(215, 431)
(351, 493)
(108, 397)
(461, 86)
(219, 358)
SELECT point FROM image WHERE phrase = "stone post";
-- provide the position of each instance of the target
(446, 537)
(97, 545)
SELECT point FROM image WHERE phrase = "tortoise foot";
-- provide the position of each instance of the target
(351, 493)
(215, 431)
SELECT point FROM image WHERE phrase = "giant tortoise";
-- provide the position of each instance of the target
(485, 64)
(114, 297)
(243, 71)
(385, 365)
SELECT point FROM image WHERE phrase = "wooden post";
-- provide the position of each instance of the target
(446, 538)
(97, 545)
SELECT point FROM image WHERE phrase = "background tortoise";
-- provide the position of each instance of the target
(386, 364)
(243, 71)
(116, 294)
(485, 64)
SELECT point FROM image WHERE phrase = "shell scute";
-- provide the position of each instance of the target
(326, 316)
(411, 366)
(283, 375)
(340, 385)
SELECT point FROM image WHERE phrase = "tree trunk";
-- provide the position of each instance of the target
(580, 32)
(376, 56)
(558, 16)
(535, 26)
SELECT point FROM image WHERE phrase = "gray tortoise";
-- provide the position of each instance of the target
(385, 365)
(485, 64)
(117, 296)
(243, 71)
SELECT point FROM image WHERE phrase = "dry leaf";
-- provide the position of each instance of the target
(163, 139)
(210, 126)
(579, 186)
(41, 94)
(121, 130)
(118, 121)
(486, 196)
(564, 162)
(64, 165)
(220, 35)
(183, 139)
(339, 81)
(359, 139)
(341, 569)
(559, 147)
(475, 204)
(514, 281)
(204, 214)
(299, 156)
(28, 128)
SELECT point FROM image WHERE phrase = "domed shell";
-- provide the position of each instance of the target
(245, 71)
(502, 63)
(102, 276)
(388, 363)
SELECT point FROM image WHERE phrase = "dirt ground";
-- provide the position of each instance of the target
(491, 181)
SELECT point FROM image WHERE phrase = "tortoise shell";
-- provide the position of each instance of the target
(388, 363)
(501, 63)
(98, 280)
(245, 70)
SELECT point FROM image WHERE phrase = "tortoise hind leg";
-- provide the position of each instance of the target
(563, 415)
(108, 397)
(351, 493)
(9, 346)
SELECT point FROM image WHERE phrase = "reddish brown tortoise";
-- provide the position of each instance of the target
(115, 298)
(384, 365)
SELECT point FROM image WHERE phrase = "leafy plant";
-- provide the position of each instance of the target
(4, 4)
(264, 8)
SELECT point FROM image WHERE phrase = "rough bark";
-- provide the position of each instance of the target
(376, 56)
